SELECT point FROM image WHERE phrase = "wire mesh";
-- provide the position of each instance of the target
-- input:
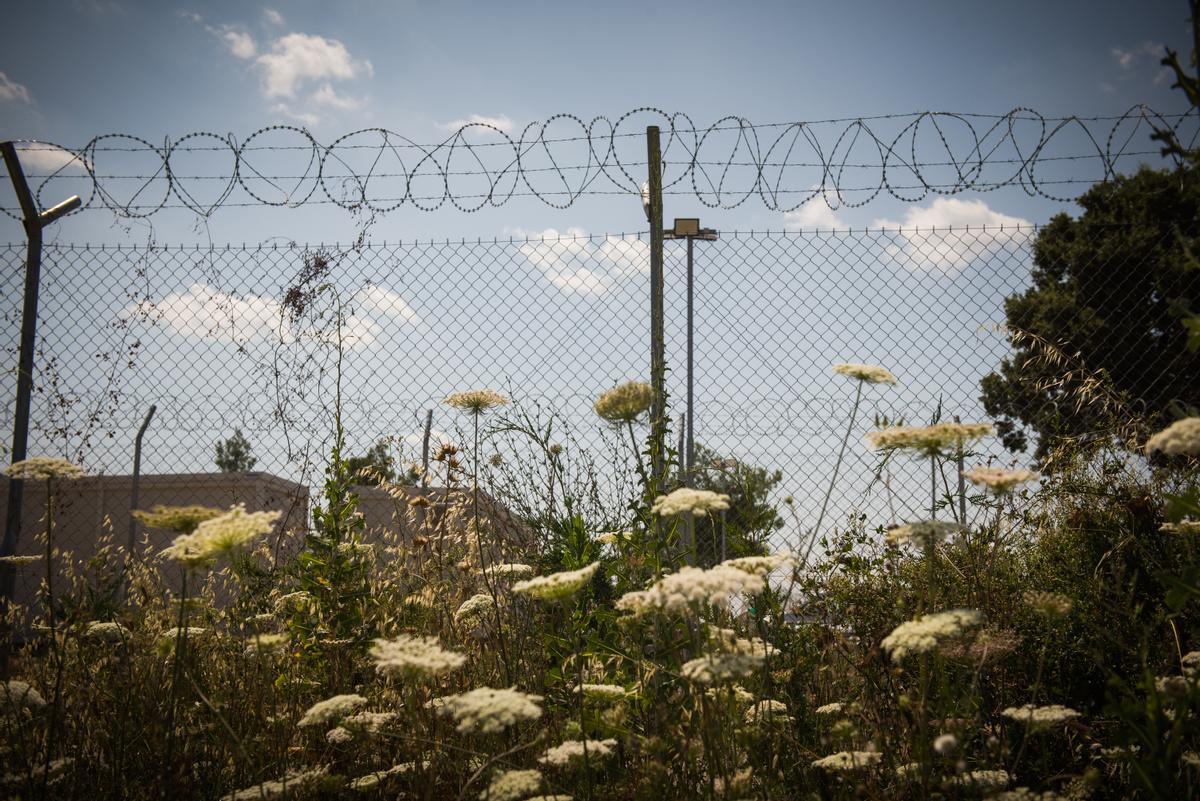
(224, 338)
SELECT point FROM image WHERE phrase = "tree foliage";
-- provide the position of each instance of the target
(373, 468)
(750, 519)
(234, 456)
(1105, 314)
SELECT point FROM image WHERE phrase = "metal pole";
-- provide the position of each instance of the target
(33, 222)
(691, 382)
(658, 358)
(137, 477)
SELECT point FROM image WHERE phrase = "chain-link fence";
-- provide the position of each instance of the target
(246, 338)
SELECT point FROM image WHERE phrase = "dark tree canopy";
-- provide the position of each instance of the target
(233, 455)
(750, 519)
(375, 467)
(1111, 288)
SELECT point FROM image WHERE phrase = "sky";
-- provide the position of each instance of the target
(564, 316)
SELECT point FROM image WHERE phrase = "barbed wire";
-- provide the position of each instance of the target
(845, 162)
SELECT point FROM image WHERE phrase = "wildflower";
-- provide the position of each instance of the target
(410, 657)
(867, 373)
(512, 785)
(1181, 437)
(368, 781)
(166, 640)
(265, 643)
(926, 533)
(767, 711)
(927, 440)
(51, 773)
(1025, 794)
(691, 586)
(1173, 688)
(43, 468)
(830, 709)
(848, 760)
(985, 779)
(573, 750)
(19, 561)
(997, 479)
(625, 403)
(926, 632)
(180, 519)
(761, 565)
(291, 601)
(716, 668)
(220, 536)
(106, 630)
(476, 401)
(509, 571)
(727, 641)
(603, 692)
(1039, 718)
(1048, 604)
(686, 500)
(474, 610)
(1190, 662)
(489, 710)
(331, 710)
(1188, 525)
(338, 736)
(17, 693)
(557, 586)
(945, 744)
(371, 722)
(909, 771)
(611, 537)
(289, 784)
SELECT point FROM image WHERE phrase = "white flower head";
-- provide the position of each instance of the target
(693, 588)
(43, 468)
(686, 500)
(717, 668)
(925, 533)
(998, 479)
(476, 401)
(411, 656)
(489, 710)
(512, 785)
(557, 586)
(572, 751)
(331, 710)
(926, 632)
(1181, 437)
(1039, 718)
(867, 373)
(848, 760)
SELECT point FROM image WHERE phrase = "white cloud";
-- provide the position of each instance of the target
(946, 234)
(1128, 59)
(305, 117)
(272, 16)
(813, 215)
(576, 263)
(375, 299)
(502, 122)
(47, 158)
(240, 43)
(11, 90)
(327, 96)
(298, 58)
(203, 312)
(190, 16)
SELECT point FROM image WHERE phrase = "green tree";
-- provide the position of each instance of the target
(750, 519)
(1104, 314)
(374, 468)
(233, 455)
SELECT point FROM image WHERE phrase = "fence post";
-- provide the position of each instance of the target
(34, 222)
(658, 358)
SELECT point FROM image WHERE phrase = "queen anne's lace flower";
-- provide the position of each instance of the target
(686, 500)
(1048, 604)
(557, 586)
(999, 480)
(603, 692)
(43, 468)
(488, 710)
(767, 711)
(927, 440)
(411, 656)
(1186, 526)
(716, 668)
(474, 611)
(925, 533)
(867, 373)
(509, 571)
(926, 632)
(19, 694)
(1038, 718)
(762, 565)
(985, 779)
(331, 710)
(848, 760)
(219, 536)
(572, 751)
(265, 643)
(829, 709)
(625, 403)
(1181, 437)
(693, 586)
(476, 401)
(511, 785)
(289, 785)
(180, 519)
(106, 631)
(338, 736)
(20, 561)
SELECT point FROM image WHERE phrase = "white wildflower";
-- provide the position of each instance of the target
(1038, 718)
(265, 643)
(476, 401)
(985, 779)
(512, 785)
(19, 694)
(925, 533)
(1181, 437)
(509, 571)
(999, 480)
(289, 784)
(370, 722)
(830, 709)
(945, 744)
(1048, 604)
(572, 751)
(867, 373)
(219, 536)
(1187, 526)
(331, 710)
(338, 736)
(926, 632)
(20, 561)
(927, 440)
(43, 468)
(762, 565)
(106, 631)
(767, 711)
(557, 586)
(687, 500)
(693, 586)
(411, 656)
(489, 710)
(603, 692)
(716, 668)
(625, 403)
(848, 760)
(475, 610)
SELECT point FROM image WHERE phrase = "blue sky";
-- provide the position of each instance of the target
(76, 69)
(71, 71)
